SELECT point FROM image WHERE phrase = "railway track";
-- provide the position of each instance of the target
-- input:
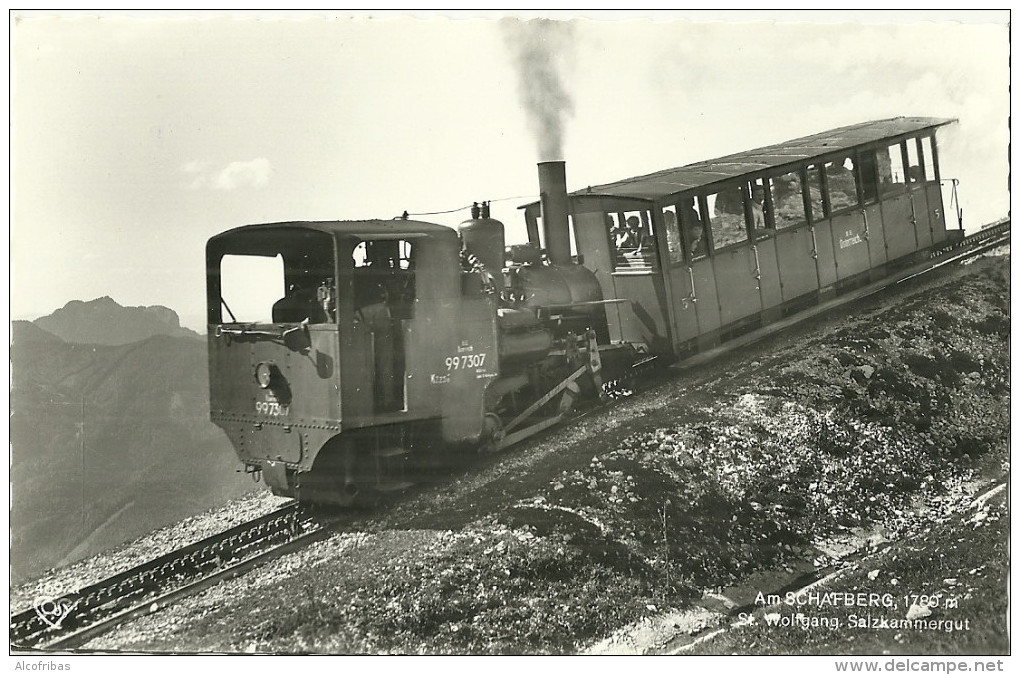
(73, 619)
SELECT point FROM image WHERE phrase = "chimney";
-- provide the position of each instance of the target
(552, 184)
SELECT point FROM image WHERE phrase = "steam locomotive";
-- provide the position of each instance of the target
(345, 358)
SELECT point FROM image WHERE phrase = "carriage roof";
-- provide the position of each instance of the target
(655, 186)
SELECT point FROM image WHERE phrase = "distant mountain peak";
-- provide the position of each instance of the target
(104, 321)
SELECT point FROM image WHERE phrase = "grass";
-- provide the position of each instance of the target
(958, 570)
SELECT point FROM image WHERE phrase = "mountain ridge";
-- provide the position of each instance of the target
(104, 321)
(109, 441)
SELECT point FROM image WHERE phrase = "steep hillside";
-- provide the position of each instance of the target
(108, 443)
(104, 322)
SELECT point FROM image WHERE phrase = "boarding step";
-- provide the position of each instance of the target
(390, 467)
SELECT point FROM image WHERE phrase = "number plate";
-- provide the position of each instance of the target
(271, 408)
(465, 361)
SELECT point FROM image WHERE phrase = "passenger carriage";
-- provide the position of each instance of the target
(731, 243)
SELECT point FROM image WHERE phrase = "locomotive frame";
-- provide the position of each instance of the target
(396, 341)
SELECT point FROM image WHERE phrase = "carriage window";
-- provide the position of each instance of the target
(915, 171)
(842, 184)
(929, 157)
(869, 176)
(760, 209)
(891, 177)
(817, 205)
(672, 226)
(631, 233)
(726, 217)
(787, 200)
(692, 225)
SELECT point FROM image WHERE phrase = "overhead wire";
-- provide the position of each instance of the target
(462, 208)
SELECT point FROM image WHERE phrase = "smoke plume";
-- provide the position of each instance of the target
(540, 48)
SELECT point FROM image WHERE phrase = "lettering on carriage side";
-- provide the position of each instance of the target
(851, 239)
(439, 379)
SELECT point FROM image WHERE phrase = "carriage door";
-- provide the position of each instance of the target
(897, 208)
(874, 228)
(680, 278)
(737, 273)
(849, 227)
(796, 244)
(693, 214)
(920, 213)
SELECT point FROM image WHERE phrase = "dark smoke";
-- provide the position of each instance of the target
(539, 47)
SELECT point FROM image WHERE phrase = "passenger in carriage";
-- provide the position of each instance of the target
(672, 236)
(758, 221)
(628, 238)
(694, 227)
(635, 235)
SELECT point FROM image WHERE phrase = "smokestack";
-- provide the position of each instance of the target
(552, 184)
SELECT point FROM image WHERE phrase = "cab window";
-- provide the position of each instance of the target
(249, 285)
(272, 275)
(384, 275)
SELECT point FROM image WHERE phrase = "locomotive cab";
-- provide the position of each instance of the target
(330, 347)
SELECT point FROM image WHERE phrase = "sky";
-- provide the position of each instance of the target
(136, 137)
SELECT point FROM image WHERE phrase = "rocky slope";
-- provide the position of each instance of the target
(869, 420)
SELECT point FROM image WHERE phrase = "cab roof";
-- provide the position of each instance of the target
(376, 229)
(661, 184)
